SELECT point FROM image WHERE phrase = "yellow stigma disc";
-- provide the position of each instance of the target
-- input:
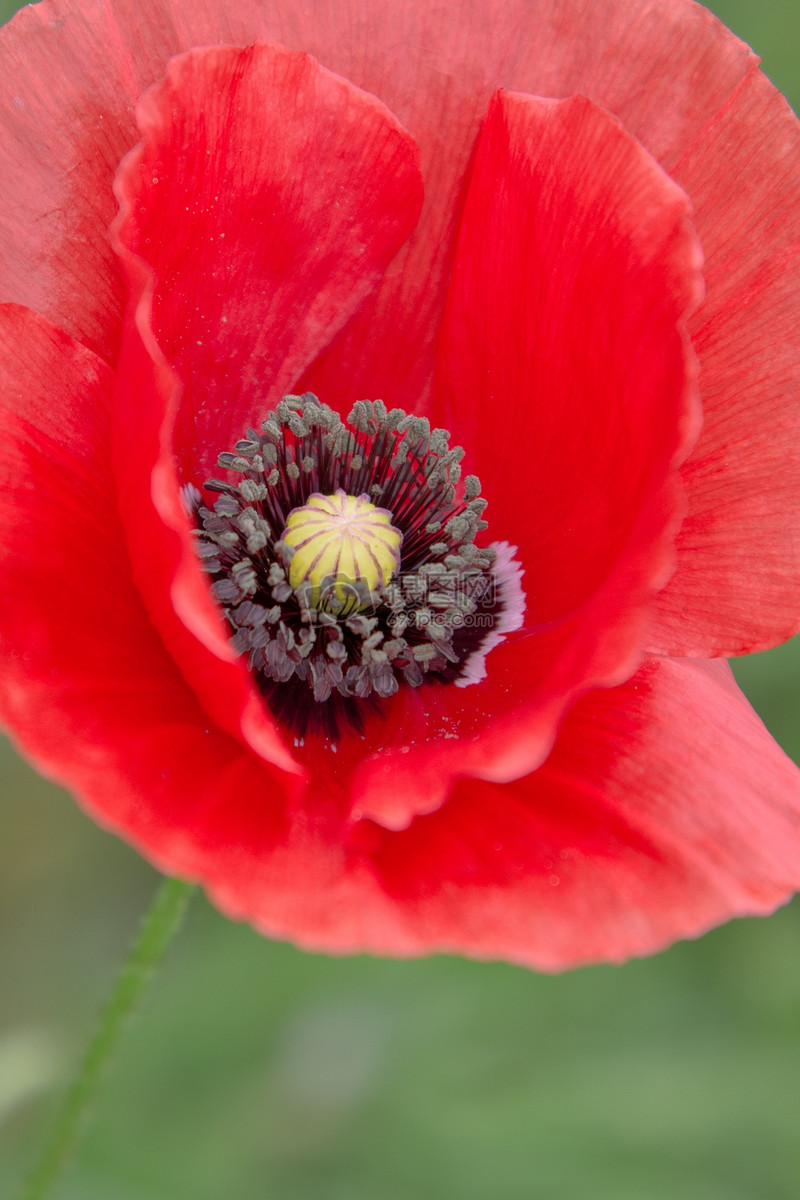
(340, 541)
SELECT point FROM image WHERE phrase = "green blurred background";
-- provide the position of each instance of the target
(260, 1073)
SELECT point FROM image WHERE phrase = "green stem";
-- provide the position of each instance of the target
(160, 923)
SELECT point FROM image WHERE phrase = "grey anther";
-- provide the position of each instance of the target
(393, 419)
(335, 441)
(322, 686)
(400, 454)
(446, 650)
(298, 426)
(360, 625)
(245, 577)
(457, 527)
(250, 614)
(424, 652)
(241, 641)
(363, 683)
(226, 506)
(252, 491)
(383, 680)
(279, 665)
(439, 442)
(191, 498)
(359, 416)
(246, 521)
(285, 637)
(413, 674)
(226, 590)
(258, 637)
(395, 647)
(305, 637)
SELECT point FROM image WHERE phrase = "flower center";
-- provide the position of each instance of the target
(338, 543)
(345, 563)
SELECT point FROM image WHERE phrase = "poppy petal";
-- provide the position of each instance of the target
(664, 809)
(309, 191)
(736, 587)
(565, 368)
(564, 363)
(267, 197)
(668, 70)
(87, 687)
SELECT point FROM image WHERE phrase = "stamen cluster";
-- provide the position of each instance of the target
(316, 664)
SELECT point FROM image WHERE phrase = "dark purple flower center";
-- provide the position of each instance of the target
(345, 562)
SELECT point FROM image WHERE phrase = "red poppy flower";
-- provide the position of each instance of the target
(494, 217)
